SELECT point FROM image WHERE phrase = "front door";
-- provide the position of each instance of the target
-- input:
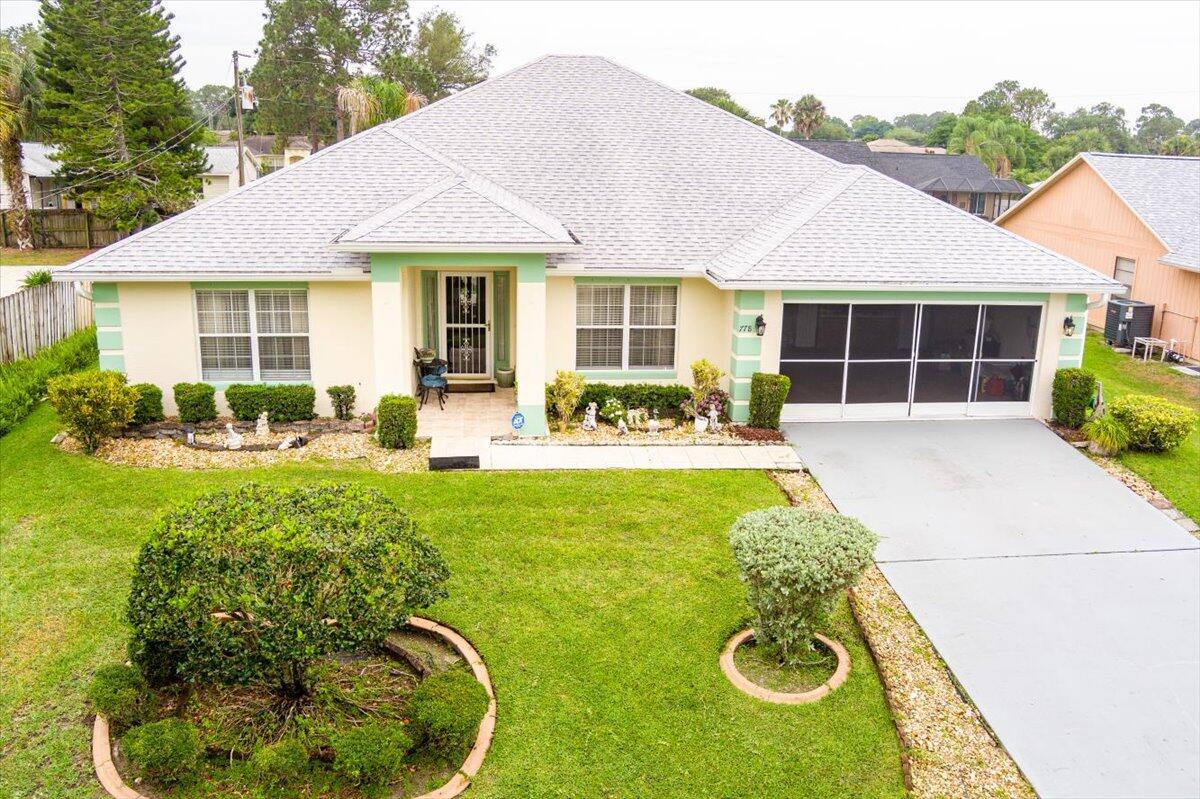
(467, 332)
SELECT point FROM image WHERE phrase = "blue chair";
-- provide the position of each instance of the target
(432, 377)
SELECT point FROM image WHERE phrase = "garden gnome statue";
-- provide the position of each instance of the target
(589, 417)
(262, 429)
(652, 425)
(189, 434)
(714, 420)
(622, 428)
(233, 439)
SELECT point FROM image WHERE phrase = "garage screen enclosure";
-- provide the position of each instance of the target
(888, 360)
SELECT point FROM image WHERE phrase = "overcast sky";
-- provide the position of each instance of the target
(884, 59)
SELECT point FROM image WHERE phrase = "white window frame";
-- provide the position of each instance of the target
(625, 327)
(1132, 272)
(253, 333)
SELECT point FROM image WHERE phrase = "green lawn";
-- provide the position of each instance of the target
(1176, 473)
(11, 256)
(600, 602)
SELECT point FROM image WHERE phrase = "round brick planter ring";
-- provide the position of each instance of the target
(106, 771)
(767, 695)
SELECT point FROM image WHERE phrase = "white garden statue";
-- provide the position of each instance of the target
(589, 416)
(714, 420)
(652, 425)
(233, 439)
(261, 428)
(622, 428)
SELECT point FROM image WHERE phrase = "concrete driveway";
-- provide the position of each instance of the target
(1067, 606)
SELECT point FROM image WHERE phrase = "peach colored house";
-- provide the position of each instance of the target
(1135, 218)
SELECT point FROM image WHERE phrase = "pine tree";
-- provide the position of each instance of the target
(116, 108)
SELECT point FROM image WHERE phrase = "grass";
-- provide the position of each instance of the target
(600, 602)
(11, 256)
(1177, 473)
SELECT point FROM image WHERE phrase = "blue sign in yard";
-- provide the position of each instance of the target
(518, 420)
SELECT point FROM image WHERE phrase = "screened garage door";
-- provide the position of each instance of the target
(890, 360)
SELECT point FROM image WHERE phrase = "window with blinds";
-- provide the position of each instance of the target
(625, 326)
(253, 334)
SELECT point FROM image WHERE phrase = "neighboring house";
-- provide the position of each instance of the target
(42, 188)
(222, 174)
(961, 180)
(1135, 218)
(897, 146)
(533, 222)
(272, 154)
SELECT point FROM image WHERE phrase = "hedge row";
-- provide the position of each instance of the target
(282, 403)
(665, 399)
(1071, 395)
(23, 382)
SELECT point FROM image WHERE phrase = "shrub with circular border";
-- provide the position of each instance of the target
(372, 754)
(795, 563)
(1154, 424)
(119, 693)
(445, 710)
(167, 751)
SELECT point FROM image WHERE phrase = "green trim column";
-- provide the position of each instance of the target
(531, 343)
(745, 351)
(1070, 348)
(429, 309)
(106, 307)
(501, 319)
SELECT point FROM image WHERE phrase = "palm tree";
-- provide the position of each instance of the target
(808, 114)
(369, 100)
(999, 143)
(20, 97)
(781, 114)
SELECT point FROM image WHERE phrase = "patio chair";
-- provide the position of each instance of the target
(431, 377)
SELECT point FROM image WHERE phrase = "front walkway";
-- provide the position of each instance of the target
(509, 457)
(1065, 604)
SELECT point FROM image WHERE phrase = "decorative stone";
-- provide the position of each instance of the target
(233, 439)
(59, 437)
(287, 442)
(261, 428)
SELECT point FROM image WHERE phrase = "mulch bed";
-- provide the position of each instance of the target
(948, 749)
(758, 434)
(1068, 434)
(670, 434)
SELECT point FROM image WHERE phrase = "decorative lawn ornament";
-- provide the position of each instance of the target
(622, 428)
(233, 439)
(261, 428)
(714, 420)
(589, 416)
(652, 425)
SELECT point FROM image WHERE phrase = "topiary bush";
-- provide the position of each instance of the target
(1154, 424)
(372, 754)
(282, 403)
(795, 564)
(1071, 395)
(342, 398)
(196, 402)
(93, 405)
(280, 762)
(445, 712)
(768, 392)
(119, 693)
(396, 421)
(166, 751)
(148, 407)
(255, 584)
(563, 396)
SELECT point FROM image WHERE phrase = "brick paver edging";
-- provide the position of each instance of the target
(758, 692)
(111, 781)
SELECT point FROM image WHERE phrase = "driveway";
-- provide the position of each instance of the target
(1067, 606)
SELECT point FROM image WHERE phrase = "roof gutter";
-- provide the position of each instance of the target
(111, 276)
(1077, 288)
(350, 246)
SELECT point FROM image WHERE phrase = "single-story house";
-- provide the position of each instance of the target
(42, 189)
(275, 151)
(1135, 218)
(961, 180)
(221, 177)
(573, 214)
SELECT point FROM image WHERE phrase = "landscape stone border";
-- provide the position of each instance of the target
(779, 697)
(110, 779)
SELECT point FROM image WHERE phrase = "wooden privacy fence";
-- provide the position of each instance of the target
(58, 228)
(34, 318)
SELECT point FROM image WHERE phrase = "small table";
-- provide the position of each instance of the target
(1148, 344)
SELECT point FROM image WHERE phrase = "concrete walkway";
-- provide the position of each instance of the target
(1066, 605)
(521, 457)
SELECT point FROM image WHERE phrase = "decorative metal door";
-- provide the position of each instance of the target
(468, 325)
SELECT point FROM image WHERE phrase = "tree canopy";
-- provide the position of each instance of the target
(442, 58)
(722, 99)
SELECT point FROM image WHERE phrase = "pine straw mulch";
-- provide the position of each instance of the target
(948, 749)
(350, 448)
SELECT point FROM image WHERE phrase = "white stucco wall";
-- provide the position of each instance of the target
(158, 330)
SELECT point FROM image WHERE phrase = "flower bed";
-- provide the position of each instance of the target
(670, 434)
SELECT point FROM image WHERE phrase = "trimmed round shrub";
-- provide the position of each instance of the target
(795, 564)
(280, 762)
(1071, 395)
(166, 751)
(372, 754)
(197, 402)
(1154, 424)
(255, 584)
(396, 421)
(148, 407)
(445, 711)
(768, 392)
(93, 405)
(119, 693)
(342, 398)
(282, 403)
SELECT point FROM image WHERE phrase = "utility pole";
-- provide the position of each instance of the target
(237, 111)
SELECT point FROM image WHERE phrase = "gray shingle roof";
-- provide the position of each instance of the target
(221, 160)
(925, 171)
(646, 178)
(1164, 190)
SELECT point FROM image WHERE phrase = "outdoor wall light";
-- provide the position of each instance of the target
(1068, 326)
(760, 325)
